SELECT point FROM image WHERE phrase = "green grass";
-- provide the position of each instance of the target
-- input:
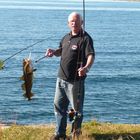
(90, 131)
(109, 131)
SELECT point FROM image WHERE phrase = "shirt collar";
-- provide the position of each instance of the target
(80, 34)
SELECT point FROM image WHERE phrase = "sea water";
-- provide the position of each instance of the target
(113, 83)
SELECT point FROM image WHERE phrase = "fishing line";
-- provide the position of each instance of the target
(2, 61)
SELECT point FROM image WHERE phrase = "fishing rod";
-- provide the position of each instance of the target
(56, 51)
(2, 61)
(84, 12)
(74, 114)
(40, 59)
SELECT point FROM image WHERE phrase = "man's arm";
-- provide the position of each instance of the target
(51, 52)
(83, 70)
(90, 61)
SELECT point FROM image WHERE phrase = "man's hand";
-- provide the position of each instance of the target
(49, 53)
(82, 71)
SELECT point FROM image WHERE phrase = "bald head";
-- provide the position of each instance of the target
(74, 14)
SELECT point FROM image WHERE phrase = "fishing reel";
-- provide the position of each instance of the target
(73, 115)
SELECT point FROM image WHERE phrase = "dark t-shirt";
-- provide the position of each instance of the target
(74, 52)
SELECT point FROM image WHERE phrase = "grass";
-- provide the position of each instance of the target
(109, 131)
(90, 131)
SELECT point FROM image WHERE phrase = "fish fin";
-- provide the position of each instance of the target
(22, 78)
(34, 70)
(23, 86)
(31, 94)
(25, 95)
(29, 97)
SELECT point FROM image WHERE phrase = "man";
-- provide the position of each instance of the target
(77, 56)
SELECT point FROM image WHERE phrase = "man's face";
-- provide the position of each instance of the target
(75, 23)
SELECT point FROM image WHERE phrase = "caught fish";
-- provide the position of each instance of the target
(27, 78)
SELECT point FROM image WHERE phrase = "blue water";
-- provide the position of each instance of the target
(113, 83)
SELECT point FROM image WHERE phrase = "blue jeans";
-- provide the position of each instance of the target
(68, 92)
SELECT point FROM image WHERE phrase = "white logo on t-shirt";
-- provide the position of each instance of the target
(74, 47)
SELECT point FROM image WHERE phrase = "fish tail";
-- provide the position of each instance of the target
(22, 78)
(28, 95)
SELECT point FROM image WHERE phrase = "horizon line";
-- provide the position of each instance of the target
(69, 8)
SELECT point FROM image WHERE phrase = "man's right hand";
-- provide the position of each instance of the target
(49, 53)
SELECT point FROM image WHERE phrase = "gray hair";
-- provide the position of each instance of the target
(73, 14)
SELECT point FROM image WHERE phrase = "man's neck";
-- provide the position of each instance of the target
(76, 33)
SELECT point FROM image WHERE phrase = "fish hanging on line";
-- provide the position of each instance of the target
(27, 78)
